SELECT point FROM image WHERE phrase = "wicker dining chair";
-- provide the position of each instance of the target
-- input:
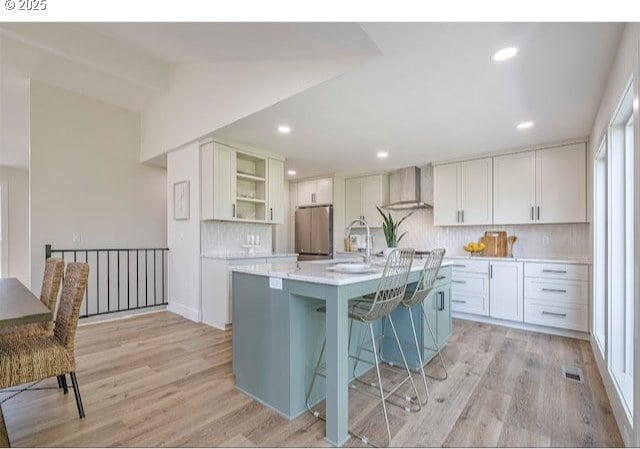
(36, 358)
(53, 270)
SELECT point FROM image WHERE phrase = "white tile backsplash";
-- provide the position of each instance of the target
(539, 241)
(221, 237)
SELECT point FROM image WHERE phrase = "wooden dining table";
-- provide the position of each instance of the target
(18, 306)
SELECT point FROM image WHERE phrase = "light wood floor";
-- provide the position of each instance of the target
(160, 380)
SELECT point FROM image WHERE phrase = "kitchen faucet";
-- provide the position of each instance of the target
(367, 256)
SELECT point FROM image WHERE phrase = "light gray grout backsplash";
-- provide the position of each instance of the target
(221, 237)
(535, 241)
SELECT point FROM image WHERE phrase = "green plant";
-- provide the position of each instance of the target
(391, 228)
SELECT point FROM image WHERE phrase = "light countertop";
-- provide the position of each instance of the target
(316, 271)
(244, 255)
(550, 259)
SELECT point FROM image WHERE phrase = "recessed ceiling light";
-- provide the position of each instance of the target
(525, 125)
(291, 172)
(382, 154)
(284, 129)
(504, 54)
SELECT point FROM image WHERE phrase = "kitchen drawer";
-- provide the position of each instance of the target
(469, 282)
(556, 271)
(470, 303)
(556, 291)
(470, 266)
(565, 316)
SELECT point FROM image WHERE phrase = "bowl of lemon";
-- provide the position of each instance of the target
(474, 248)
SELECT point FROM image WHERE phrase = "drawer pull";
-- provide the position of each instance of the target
(563, 315)
(554, 271)
(439, 278)
(457, 265)
(459, 282)
(459, 301)
(554, 290)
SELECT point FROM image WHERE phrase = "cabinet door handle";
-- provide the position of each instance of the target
(563, 315)
(490, 271)
(442, 299)
(439, 278)
(538, 212)
(554, 271)
(458, 282)
(459, 301)
(554, 290)
(463, 216)
(532, 216)
(233, 212)
(458, 216)
(271, 210)
(313, 197)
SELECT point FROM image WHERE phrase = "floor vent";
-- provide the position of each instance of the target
(572, 373)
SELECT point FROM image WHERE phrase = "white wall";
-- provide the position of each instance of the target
(204, 97)
(17, 183)
(183, 236)
(625, 66)
(86, 178)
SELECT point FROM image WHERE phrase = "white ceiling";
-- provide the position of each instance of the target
(435, 94)
(182, 43)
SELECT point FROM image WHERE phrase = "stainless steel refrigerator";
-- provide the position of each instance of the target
(314, 232)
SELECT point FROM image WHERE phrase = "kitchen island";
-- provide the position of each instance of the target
(278, 333)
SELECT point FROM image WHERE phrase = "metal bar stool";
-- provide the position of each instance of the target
(369, 309)
(424, 286)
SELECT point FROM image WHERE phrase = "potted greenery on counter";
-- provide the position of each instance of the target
(391, 229)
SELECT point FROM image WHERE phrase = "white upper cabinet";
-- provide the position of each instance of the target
(543, 186)
(463, 193)
(561, 185)
(445, 191)
(363, 195)
(476, 205)
(224, 182)
(315, 192)
(353, 199)
(514, 188)
(324, 191)
(506, 293)
(276, 191)
(240, 186)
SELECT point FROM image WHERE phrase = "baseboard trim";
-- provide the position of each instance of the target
(187, 312)
(226, 327)
(123, 315)
(522, 326)
(624, 426)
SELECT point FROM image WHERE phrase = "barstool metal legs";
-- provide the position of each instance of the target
(437, 348)
(424, 377)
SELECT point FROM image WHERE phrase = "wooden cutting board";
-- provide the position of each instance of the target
(495, 243)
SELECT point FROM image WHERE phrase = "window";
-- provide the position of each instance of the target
(620, 251)
(600, 249)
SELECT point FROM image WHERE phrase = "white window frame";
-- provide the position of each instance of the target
(619, 270)
(600, 255)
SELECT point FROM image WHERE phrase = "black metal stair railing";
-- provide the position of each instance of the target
(120, 279)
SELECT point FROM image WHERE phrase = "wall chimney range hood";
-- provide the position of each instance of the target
(405, 188)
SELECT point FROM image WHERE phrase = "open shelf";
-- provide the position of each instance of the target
(250, 200)
(249, 177)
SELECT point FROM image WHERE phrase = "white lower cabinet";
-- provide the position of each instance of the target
(542, 293)
(216, 292)
(506, 297)
(470, 287)
(557, 295)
